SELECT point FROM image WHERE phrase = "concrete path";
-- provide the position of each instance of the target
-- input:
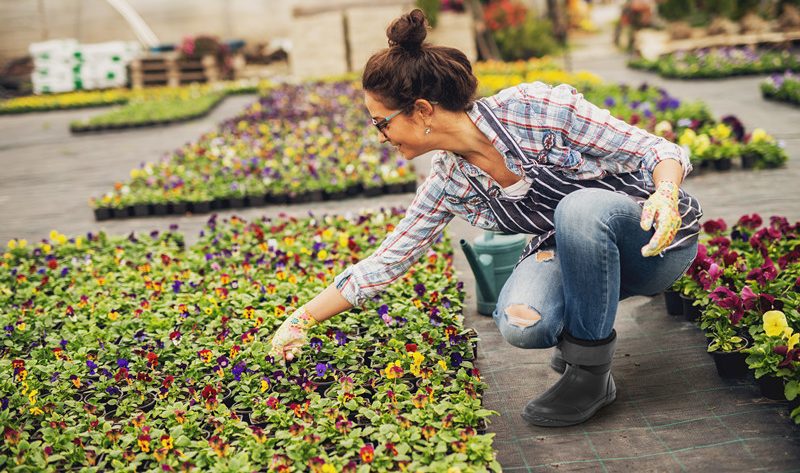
(673, 413)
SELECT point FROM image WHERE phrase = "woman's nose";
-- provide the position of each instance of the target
(383, 138)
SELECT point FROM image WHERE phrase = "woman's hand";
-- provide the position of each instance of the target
(661, 211)
(291, 335)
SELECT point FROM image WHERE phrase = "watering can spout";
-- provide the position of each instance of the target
(483, 269)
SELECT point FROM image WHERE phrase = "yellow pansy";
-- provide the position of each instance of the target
(793, 340)
(759, 135)
(322, 255)
(687, 137)
(774, 323)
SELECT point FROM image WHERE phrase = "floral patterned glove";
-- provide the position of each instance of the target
(661, 211)
(291, 335)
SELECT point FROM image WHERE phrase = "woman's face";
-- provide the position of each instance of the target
(405, 132)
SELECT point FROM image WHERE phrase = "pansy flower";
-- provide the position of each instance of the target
(238, 369)
(321, 369)
(144, 442)
(367, 453)
(218, 445)
(152, 360)
(206, 355)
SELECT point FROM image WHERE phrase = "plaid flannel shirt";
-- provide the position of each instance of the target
(555, 126)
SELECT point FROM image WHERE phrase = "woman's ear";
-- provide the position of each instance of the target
(423, 107)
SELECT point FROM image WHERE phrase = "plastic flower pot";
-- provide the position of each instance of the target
(255, 200)
(141, 210)
(315, 196)
(749, 160)
(179, 208)
(410, 186)
(672, 300)
(102, 213)
(771, 387)
(277, 198)
(373, 191)
(121, 212)
(220, 204)
(333, 195)
(237, 202)
(690, 311)
(723, 164)
(481, 427)
(354, 189)
(201, 207)
(731, 364)
(159, 209)
(395, 188)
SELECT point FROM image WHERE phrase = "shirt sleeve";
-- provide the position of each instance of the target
(593, 131)
(422, 224)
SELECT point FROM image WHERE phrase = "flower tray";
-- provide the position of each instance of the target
(180, 208)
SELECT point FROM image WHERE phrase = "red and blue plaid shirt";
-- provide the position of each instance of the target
(554, 125)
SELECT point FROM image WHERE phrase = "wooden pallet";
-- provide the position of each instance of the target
(171, 70)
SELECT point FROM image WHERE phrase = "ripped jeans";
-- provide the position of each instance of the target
(577, 285)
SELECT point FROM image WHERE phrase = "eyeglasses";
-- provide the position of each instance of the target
(382, 124)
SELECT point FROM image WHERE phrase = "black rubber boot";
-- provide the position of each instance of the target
(557, 362)
(585, 386)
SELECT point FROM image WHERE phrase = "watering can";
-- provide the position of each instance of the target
(492, 257)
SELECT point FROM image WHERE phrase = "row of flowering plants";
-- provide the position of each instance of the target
(164, 105)
(743, 289)
(719, 62)
(65, 101)
(139, 100)
(143, 354)
(297, 143)
(783, 87)
(710, 142)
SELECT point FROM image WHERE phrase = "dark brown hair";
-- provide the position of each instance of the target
(410, 69)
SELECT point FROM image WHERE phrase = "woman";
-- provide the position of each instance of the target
(532, 159)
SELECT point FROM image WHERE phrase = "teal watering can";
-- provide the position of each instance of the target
(492, 257)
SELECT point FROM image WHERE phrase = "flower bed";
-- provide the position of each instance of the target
(743, 289)
(718, 63)
(296, 144)
(162, 106)
(782, 87)
(139, 353)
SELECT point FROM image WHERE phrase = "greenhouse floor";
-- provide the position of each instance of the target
(673, 413)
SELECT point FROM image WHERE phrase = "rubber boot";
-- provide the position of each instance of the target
(557, 362)
(585, 386)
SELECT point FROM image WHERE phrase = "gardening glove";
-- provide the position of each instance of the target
(291, 335)
(661, 211)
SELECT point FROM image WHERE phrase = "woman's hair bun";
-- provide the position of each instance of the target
(408, 31)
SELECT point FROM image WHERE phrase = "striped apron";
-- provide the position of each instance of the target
(534, 212)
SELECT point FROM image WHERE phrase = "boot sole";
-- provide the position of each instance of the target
(545, 422)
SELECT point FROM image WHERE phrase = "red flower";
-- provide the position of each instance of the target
(367, 453)
(152, 360)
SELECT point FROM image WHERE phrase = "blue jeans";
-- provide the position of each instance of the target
(577, 285)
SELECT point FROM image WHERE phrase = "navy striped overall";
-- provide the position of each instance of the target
(534, 212)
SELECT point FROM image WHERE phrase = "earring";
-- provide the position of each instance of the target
(427, 130)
